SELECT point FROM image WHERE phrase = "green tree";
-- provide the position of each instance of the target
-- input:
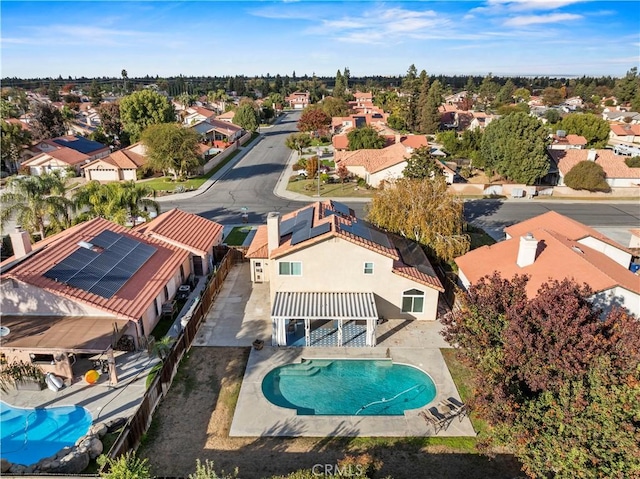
(138, 200)
(423, 211)
(125, 77)
(95, 93)
(515, 147)
(422, 164)
(33, 202)
(396, 122)
(522, 95)
(333, 106)
(592, 127)
(487, 91)
(339, 90)
(430, 115)
(505, 94)
(411, 84)
(171, 148)
(8, 109)
(13, 140)
(96, 200)
(298, 141)
(247, 118)
(365, 138)
(552, 116)
(53, 92)
(112, 125)
(628, 87)
(48, 122)
(587, 175)
(551, 96)
(127, 466)
(142, 109)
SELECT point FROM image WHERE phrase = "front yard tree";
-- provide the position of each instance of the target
(172, 149)
(587, 175)
(314, 120)
(142, 109)
(298, 141)
(247, 117)
(13, 140)
(423, 211)
(592, 127)
(333, 106)
(48, 122)
(514, 146)
(342, 172)
(422, 164)
(550, 368)
(112, 125)
(551, 96)
(365, 138)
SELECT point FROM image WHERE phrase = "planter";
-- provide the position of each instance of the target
(29, 385)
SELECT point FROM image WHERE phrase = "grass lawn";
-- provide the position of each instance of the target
(237, 235)
(479, 237)
(165, 183)
(310, 188)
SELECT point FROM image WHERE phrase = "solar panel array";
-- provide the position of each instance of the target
(102, 272)
(362, 231)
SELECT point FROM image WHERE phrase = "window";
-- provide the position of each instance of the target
(368, 268)
(166, 293)
(413, 301)
(290, 268)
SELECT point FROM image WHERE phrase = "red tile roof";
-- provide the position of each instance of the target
(374, 160)
(123, 159)
(623, 129)
(65, 155)
(567, 227)
(612, 164)
(558, 258)
(187, 230)
(323, 213)
(570, 139)
(132, 300)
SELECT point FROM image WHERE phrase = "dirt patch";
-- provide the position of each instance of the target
(193, 422)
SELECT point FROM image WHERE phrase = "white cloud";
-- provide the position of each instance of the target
(524, 20)
(522, 5)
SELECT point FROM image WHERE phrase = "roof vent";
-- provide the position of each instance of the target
(577, 250)
(86, 245)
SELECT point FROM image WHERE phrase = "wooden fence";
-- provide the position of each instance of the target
(129, 438)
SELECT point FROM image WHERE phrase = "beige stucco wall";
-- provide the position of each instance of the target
(616, 254)
(391, 173)
(618, 297)
(336, 265)
(21, 298)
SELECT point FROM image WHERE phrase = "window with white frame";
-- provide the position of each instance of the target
(368, 268)
(290, 268)
(413, 301)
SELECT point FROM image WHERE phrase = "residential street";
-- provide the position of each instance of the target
(251, 183)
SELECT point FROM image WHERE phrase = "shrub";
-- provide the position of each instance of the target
(633, 162)
(466, 172)
(16, 371)
(587, 175)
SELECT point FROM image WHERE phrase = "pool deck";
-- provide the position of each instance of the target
(256, 416)
(103, 401)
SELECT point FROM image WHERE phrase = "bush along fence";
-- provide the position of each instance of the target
(137, 425)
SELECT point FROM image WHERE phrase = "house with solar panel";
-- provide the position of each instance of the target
(333, 277)
(64, 153)
(80, 292)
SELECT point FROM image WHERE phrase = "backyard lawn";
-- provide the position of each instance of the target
(194, 419)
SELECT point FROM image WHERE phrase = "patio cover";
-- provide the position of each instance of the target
(322, 305)
(79, 334)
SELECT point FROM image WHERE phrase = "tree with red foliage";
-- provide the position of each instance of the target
(314, 120)
(342, 172)
(559, 384)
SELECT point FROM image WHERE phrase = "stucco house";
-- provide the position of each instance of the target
(298, 100)
(217, 133)
(196, 114)
(78, 293)
(62, 153)
(552, 246)
(385, 164)
(617, 173)
(121, 165)
(625, 132)
(562, 141)
(333, 276)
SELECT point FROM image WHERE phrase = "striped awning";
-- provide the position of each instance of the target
(302, 305)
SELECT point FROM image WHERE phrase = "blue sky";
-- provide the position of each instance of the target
(526, 37)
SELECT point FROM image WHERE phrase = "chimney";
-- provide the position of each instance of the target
(21, 243)
(398, 138)
(527, 250)
(273, 230)
(592, 155)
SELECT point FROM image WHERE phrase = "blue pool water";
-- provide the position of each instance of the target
(28, 435)
(348, 387)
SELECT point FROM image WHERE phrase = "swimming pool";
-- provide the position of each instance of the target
(28, 435)
(350, 387)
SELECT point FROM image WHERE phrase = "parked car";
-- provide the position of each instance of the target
(183, 292)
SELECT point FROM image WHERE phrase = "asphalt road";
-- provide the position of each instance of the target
(251, 182)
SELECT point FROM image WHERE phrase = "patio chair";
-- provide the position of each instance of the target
(458, 407)
(437, 418)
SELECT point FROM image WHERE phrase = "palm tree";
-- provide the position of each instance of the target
(33, 202)
(136, 199)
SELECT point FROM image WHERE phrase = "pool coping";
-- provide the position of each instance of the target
(256, 416)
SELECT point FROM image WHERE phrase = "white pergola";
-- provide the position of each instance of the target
(317, 306)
